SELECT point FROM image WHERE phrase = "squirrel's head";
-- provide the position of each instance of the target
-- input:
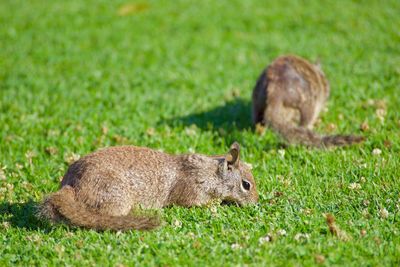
(237, 182)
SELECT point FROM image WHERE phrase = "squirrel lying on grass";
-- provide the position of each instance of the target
(100, 190)
(289, 96)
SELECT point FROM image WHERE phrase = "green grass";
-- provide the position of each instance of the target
(76, 76)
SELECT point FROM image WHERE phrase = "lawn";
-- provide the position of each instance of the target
(76, 76)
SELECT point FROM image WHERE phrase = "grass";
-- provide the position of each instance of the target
(177, 75)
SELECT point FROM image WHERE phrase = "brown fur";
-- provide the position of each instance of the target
(100, 190)
(289, 96)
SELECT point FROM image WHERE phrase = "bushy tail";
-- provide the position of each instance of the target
(62, 205)
(307, 137)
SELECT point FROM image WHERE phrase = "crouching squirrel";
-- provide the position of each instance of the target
(100, 190)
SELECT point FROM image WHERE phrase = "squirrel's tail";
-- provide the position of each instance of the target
(63, 205)
(307, 137)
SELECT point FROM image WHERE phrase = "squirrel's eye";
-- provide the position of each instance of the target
(246, 185)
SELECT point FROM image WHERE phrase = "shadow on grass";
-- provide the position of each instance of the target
(22, 215)
(227, 121)
(234, 115)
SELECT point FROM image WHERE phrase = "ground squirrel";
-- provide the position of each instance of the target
(100, 190)
(289, 96)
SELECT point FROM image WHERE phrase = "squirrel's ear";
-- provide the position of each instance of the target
(232, 157)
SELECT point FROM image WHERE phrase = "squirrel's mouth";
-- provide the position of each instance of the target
(230, 202)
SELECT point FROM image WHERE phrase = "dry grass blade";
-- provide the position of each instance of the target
(132, 8)
(334, 229)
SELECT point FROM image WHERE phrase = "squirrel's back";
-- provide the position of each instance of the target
(123, 173)
(100, 189)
